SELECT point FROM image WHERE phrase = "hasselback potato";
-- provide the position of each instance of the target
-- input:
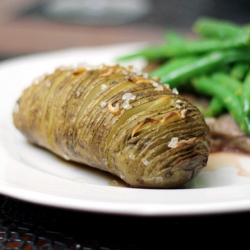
(116, 119)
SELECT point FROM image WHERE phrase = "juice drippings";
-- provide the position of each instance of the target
(225, 159)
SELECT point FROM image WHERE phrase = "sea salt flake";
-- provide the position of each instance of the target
(122, 176)
(126, 105)
(103, 86)
(173, 142)
(66, 157)
(155, 84)
(128, 97)
(105, 162)
(103, 104)
(131, 156)
(158, 179)
(145, 161)
(159, 88)
(175, 91)
(77, 94)
(48, 83)
(137, 71)
(183, 113)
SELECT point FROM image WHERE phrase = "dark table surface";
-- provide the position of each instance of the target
(27, 226)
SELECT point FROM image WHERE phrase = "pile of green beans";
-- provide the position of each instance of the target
(215, 64)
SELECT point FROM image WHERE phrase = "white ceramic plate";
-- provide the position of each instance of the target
(35, 175)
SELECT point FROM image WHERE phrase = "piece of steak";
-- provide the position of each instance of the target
(226, 135)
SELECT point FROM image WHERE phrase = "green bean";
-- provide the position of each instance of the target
(239, 70)
(172, 37)
(214, 109)
(203, 65)
(215, 28)
(223, 79)
(151, 53)
(203, 46)
(226, 96)
(245, 97)
(246, 28)
(171, 65)
(189, 48)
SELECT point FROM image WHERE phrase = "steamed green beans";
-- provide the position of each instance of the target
(172, 37)
(203, 65)
(215, 28)
(239, 70)
(214, 108)
(173, 64)
(226, 96)
(223, 79)
(189, 48)
(217, 61)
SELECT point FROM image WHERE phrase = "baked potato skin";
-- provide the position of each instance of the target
(118, 120)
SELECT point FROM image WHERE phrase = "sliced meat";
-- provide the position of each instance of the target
(226, 135)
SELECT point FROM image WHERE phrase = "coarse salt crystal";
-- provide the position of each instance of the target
(103, 86)
(128, 97)
(136, 71)
(131, 156)
(158, 179)
(105, 162)
(183, 113)
(122, 176)
(173, 142)
(175, 91)
(159, 88)
(48, 83)
(66, 157)
(145, 161)
(155, 84)
(126, 105)
(77, 94)
(103, 104)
